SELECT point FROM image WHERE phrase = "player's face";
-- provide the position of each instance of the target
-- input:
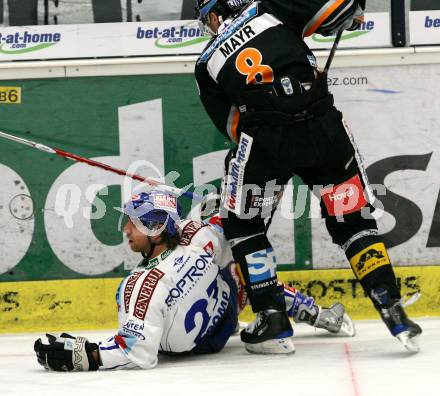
(138, 241)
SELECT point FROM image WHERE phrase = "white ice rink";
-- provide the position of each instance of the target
(370, 364)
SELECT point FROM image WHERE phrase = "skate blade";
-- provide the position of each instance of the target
(347, 328)
(411, 344)
(272, 347)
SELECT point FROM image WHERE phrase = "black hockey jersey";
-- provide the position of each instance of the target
(264, 42)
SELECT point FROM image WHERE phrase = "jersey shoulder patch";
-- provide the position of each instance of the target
(190, 229)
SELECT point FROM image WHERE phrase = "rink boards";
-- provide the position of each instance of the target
(90, 303)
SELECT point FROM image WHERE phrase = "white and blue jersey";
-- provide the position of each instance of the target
(181, 301)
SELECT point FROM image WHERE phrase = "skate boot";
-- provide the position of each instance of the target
(395, 318)
(304, 310)
(335, 320)
(270, 333)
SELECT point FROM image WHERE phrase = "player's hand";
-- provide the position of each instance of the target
(358, 19)
(67, 353)
(210, 205)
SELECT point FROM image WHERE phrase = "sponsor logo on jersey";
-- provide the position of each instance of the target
(344, 198)
(128, 290)
(186, 283)
(146, 292)
(23, 42)
(249, 13)
(261, 265)
(263, 202)
(180, 262)
(236, 174)
(369, 259)
(154, 262)
(189, 231)
(134, 328)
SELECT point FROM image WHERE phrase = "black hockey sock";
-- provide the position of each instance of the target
(369, 260)
(256, 260)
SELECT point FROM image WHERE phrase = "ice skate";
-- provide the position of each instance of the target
(398, 323)
(304, 310)
(335, 320)
(270, 333)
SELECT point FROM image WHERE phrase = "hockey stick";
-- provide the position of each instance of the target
(74, 157)
(333, 51)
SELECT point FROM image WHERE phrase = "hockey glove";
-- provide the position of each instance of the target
(358, 19)
(66, 353)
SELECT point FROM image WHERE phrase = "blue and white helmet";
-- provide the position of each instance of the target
(223, 8)
(153, 209)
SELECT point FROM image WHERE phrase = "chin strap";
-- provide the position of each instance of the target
(147, 255)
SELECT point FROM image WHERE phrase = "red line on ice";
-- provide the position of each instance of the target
(351, 369)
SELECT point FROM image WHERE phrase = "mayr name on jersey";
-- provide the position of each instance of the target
(237, 40)
(196, 271)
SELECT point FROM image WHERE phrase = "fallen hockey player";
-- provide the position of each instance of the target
(183, 298)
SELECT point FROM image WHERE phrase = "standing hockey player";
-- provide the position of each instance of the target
(260, 84)
(184, 297)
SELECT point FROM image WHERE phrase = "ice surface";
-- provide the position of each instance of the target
(370, 364)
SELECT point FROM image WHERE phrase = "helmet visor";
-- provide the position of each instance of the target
(202, 14)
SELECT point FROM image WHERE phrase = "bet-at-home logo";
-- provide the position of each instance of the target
(365, 28)
(23, 42)
(173, 37)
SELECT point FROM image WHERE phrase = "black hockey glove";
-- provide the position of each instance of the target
(359, 16)
(66, 353)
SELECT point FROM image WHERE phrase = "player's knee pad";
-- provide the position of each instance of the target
(236, 227)
(347, 228)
